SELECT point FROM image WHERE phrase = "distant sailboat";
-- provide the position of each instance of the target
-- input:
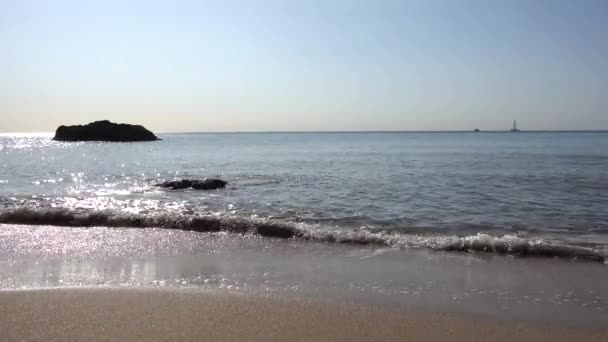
(514, 129)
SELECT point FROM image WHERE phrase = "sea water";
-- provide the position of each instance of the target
(514, 224)
(537, 193)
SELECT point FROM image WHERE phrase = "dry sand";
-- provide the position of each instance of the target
(182, 315)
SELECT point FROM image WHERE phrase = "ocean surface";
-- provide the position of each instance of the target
(509, 225)
(526, 194)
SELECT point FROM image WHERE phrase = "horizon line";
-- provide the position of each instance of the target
(357, 131)
(398, 131)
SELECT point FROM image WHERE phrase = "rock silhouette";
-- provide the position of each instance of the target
(104, 131)
(204, 184)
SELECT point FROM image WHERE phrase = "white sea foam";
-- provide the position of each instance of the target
(480, 242)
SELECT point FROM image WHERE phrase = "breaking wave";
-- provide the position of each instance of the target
(480, 242)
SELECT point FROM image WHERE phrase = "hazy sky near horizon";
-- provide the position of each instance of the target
(304, 65)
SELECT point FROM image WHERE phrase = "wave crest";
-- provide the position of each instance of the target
(480, 242)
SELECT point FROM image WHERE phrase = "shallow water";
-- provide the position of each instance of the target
(544, 290)
(536, 193)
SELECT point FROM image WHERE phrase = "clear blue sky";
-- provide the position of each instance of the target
(304, 65)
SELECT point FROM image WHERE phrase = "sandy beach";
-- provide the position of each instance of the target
(304, 171)
(190, 315)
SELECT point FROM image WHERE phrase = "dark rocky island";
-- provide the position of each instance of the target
(104, 131)
(196, 184)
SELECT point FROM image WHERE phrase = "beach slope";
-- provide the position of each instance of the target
(190, 315)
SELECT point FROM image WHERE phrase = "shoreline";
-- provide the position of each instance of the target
(149, 314)
(470, 284)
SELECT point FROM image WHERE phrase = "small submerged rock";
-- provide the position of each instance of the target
(196, 184)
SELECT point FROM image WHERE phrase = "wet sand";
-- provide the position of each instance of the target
(534, 290)
(195, 315)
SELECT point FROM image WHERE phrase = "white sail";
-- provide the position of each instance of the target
(514, 129)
